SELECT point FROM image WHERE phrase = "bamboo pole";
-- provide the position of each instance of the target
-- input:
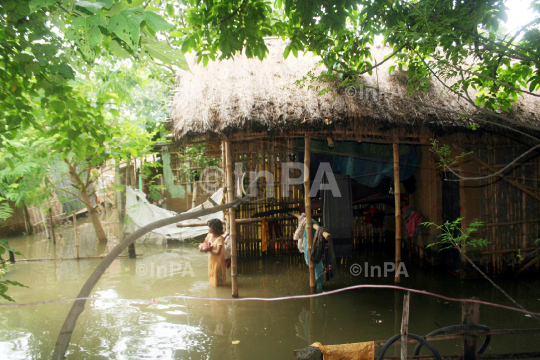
(309, 225)
(118, 182)
(525, 238)
(405, 325)
(52, 226)
(76, 234)
(397, 198)
(225, 195)
(232, 233)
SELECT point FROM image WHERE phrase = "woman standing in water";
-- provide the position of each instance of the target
(213, 244)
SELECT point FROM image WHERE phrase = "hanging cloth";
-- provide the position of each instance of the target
(264, 229)
(299, 233)
(319, 269)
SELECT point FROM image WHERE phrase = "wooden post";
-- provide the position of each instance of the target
(226, 194)
(52, 226)
(131, 251)
(307, 201)
(397, 198)
(118, 192)
(194, 197)
(525, 238)
(405, 326)
(11, 257)
(470, 315)
(75, 232)
(232, 226)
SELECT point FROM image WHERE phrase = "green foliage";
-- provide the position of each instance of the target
(444, 151)
(430, 39)
(453, 236)
(46, 44)
(4, 269)
(5, 209)
(195, 161)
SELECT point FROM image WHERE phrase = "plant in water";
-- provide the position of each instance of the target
(452, 235)
(4, 269)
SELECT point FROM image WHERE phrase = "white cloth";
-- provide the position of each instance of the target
(299, 233)
(143, 213)
(228, 250)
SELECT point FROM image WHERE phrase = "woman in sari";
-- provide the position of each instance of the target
(213, 245)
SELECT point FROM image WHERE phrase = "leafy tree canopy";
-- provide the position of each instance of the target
(46, 44)
(430, 38)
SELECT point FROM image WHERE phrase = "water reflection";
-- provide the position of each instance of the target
(204, 329)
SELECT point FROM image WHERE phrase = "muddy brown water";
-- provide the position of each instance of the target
(204, 329)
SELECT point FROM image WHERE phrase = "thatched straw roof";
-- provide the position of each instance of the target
(247, 94)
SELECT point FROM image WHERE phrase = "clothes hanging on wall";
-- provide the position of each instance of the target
(375, 217)
(264, 240)
(319, 270)
(412, 219)
(323, 251)
(299, 232)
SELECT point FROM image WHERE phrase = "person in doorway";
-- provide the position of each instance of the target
(213, 245)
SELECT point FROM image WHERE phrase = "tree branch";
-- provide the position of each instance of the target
(77, 308)
(483, 110)
(234, 12)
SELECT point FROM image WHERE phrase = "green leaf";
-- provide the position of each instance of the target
(127, 26)
(165, 53)
(58, 106)
(86, 33)
(156, 22)
(63, 69)
(116, 9)
(38, 4)
(117, 50)
(286, 51)
(94, 6)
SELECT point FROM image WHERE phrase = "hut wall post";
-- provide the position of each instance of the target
(397, 199)
(470, 193)
(232, 233)
(435, 200)
(307, 200)
(226, 194)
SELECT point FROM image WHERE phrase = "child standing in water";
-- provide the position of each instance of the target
(213, 244)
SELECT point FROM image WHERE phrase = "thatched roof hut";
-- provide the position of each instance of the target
(244, 94)
(255, 113)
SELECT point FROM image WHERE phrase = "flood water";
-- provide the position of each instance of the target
(203, 329)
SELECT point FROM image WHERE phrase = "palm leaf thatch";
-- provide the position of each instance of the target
(248, 95)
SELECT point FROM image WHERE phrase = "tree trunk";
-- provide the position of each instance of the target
(83, 189)
(77, 308)
(94, 216)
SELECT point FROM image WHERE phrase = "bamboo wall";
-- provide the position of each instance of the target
(511, 217)
(262, 155)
